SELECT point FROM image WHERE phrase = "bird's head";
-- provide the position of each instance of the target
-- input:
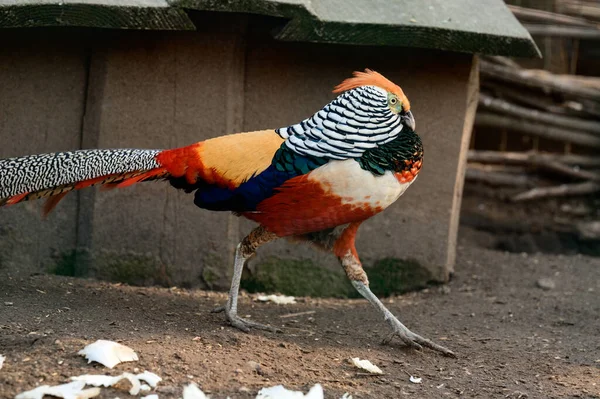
(396, 99)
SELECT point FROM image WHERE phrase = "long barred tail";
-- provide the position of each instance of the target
(52, 176)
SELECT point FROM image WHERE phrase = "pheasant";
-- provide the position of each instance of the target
(313, 181)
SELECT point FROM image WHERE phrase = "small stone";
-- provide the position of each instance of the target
(254, 366)
(8, 303)
(546, 283)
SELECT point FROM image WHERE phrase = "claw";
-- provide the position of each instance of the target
(414, 340)
(218, 309)
(245, 325)
(406, 340)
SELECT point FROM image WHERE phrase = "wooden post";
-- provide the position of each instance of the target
(472, 101)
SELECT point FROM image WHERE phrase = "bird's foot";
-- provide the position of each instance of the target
(414, 340)
(242, 324)
(245, 325)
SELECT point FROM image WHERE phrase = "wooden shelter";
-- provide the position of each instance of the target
(161, 74)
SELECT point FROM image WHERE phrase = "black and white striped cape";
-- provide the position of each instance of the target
(357, 120)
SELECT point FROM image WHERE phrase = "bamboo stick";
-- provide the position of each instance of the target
(573, 32)
(501, 60)
(544, 164)
(542, 16)
(558, 191)
(532, 99)
(543, 80)
(502, 106)
(531, 14)
(549, 132)
(589, 10)
(496, 178)
(531, 158)
(565, 170)
(589, 230)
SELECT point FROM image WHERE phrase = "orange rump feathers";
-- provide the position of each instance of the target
(372, 78)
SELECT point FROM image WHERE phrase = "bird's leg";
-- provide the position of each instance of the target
(345, 250)
(244, 251)
(399, 329)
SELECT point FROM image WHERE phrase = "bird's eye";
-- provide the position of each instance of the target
(393, 100)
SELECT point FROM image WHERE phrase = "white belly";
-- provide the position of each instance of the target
(357, 186)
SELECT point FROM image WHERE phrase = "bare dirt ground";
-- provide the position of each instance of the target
(513, 338)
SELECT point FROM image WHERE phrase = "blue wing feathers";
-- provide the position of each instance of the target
(286, 165)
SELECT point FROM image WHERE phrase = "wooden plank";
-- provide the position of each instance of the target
(39, 115)
(234, 122)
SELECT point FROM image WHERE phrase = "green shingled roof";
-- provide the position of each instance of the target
(472, 26)
(112, 14)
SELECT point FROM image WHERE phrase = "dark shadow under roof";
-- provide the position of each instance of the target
(471, 26)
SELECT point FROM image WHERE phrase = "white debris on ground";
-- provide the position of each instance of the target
(108, 353)
(2, 359)
(72, 390)
(415, 380)
(278, 299)
(151, 378)
(279, 392)
(192, 391)
(109, 381)
(366, 365)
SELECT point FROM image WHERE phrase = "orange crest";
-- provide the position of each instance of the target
(372, 78)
